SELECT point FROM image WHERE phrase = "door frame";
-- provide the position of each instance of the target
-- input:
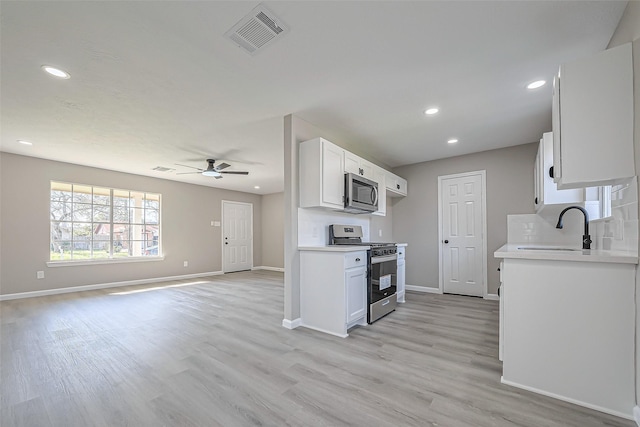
(224, 202)
(483, 186)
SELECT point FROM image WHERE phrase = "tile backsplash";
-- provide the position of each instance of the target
(617, 232)
(313, 225)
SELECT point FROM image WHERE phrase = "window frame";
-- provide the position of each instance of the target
(111, 223)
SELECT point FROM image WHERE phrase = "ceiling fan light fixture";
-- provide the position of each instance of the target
(209, 172)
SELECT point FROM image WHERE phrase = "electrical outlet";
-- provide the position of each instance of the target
(216, 223)
(40, 274)
(212, 223)
(186, 263)
(380, 233)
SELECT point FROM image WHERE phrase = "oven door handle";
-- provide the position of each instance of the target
(379, 259)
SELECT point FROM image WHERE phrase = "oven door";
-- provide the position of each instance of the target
(383, 279)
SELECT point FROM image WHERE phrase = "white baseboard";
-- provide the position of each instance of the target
(335, 334)
(291, 324)
(492, 297)
(264, 267)
(570, 400)
(636, 414)
(415, 288)
(82, 288)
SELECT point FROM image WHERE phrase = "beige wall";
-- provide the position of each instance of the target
(509, 173)
(273, 230)
(187, 211)
(629, 31)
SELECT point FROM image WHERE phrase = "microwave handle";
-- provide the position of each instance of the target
(374, 194)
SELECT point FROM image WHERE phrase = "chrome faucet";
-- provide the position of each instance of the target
(586, 239)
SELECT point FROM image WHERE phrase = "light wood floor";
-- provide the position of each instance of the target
(215, 354)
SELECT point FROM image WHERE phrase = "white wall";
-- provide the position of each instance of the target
(187, 211)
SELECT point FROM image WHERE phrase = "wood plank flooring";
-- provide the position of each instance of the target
(213, 352)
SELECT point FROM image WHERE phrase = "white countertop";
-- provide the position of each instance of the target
(510, 250)
(342, 248)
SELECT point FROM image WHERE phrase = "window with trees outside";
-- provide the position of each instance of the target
(98, 223)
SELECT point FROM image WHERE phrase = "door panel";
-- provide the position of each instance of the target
(237, 236)
(462, 239)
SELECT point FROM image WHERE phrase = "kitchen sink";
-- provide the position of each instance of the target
(549, 248)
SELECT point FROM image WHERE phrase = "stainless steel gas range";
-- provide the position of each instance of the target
(382, 269)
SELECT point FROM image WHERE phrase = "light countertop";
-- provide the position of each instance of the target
(511, 250)
(342, 248)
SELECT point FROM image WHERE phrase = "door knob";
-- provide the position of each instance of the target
(445, 241)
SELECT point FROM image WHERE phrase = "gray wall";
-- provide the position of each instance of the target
(187, 211)
(273, 230)
(629, 31)
(509, 174)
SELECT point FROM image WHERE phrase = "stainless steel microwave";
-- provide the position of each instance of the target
(360, 194)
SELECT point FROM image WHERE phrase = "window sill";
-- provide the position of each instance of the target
(72, 263)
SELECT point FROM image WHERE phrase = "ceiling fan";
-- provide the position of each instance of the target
(212, 170)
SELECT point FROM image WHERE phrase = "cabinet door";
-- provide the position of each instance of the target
(379, 176)
(401, 280)
(351, 163)
(537, 168)
(332, 175)
(596, 119)
(356, 293)
(367, 169)
(401, 186)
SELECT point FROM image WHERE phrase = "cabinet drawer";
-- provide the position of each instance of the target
(355, 259)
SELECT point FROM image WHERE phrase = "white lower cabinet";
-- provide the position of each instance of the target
(501, 316)
(333, 289)
(401, 274)
(568, 331)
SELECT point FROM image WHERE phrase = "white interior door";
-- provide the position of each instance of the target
(462, 231)
(237, 236)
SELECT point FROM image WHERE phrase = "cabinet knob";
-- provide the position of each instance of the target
(551, 172)
(535, 200)
(445, 241)
(357, 259)
(398, 186)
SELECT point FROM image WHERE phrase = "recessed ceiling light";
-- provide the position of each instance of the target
(452, 141)
(536, 84)
(257, 187)
(25, 142)
(431, 111)
(56, 72)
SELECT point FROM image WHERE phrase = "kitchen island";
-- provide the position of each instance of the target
(568, 325)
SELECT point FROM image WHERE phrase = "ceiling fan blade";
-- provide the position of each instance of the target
(222, 166)
(187, 166)
(235, 172)
(187, 173)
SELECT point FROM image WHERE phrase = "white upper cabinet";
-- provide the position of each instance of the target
(321, 174)
(359, 166)
(593, 120)
(379, 176)
(546, 191)
(396, 186)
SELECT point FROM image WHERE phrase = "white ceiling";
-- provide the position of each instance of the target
(156, 83)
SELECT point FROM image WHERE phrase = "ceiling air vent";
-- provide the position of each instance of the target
(257, 30)
(162, 169)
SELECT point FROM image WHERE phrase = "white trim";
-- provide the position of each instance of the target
(291, 324)
(424, 289)
(335, 334)
(222, 229)
(627, 416)
(492, 297)
(98, 261)
(636, 414)
(483, 185)
(82, 288)
(264, 267)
